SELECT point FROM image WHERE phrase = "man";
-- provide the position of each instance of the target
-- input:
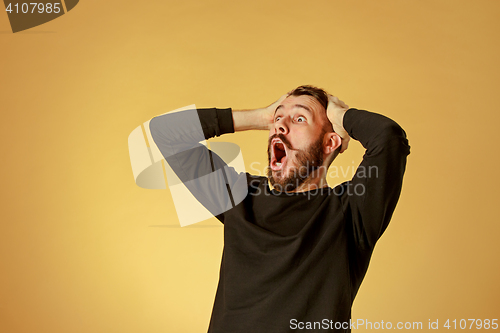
(294, 255)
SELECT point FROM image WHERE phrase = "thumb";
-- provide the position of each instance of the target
(345, 144)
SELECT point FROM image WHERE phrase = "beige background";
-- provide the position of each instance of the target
(83, 249)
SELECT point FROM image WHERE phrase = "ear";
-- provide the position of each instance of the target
(331, 142)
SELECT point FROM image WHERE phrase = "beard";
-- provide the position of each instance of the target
(308, 160)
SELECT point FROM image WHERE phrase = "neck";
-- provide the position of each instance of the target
(316, 180)
(312, 183)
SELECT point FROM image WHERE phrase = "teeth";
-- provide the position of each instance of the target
(278, 163)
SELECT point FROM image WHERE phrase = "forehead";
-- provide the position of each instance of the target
(304, 102)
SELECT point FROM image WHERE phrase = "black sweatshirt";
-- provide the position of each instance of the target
(291, 261)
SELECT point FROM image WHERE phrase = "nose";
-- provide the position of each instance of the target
(280, 127)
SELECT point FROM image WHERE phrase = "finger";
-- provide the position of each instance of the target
(345, 144)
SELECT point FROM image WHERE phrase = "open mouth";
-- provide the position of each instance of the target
(279, 155)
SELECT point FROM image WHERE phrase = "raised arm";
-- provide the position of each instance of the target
(258, 119)
(177, 135)
(371, 196)
(207, 176)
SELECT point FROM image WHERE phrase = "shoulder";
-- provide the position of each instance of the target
(255, 181)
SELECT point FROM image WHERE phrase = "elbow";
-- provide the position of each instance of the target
(392, 129)
(393, 134)
(153, 125)
(154, 128)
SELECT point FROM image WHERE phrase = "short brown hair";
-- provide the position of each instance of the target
(319, 94)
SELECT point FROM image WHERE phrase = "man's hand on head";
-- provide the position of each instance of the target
(257, 119)
(335, 113)
(268, 112)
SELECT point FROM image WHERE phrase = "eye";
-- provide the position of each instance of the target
(301, 119)
(277, 118)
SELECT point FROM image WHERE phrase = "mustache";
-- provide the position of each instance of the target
(282, 138)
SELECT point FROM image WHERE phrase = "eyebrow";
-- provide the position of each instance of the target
(296, 106)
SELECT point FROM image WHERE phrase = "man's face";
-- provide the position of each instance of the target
(295, 145)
